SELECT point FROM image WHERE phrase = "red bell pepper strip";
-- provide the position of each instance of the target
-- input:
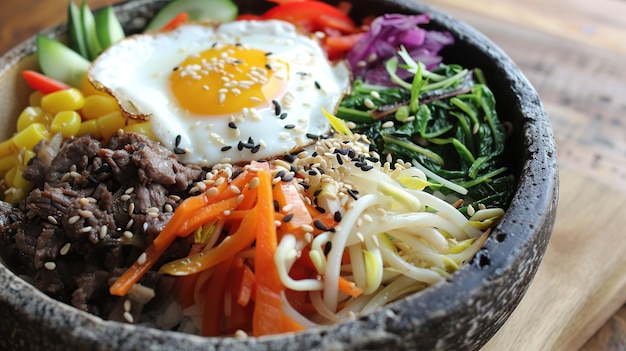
(43, 83)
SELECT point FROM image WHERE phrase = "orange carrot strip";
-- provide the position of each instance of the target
(208, 213)
(286, 193)
(214, 299)
(147, 259)
(268, 317)
(239, 240)
(348, 287)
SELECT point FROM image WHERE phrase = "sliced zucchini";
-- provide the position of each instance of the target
(60, 62)
(108, 27)
(217, 11)
(75, 29)
(89, 30)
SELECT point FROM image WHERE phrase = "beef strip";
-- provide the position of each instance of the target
(68, 234)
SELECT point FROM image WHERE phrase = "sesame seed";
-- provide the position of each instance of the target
(168, 208)
(128, 317)
(73, 219)
(232, 125)
(369, 103)
(470, 210)
(129, 190)
(52, 220)
(317, 85)
(125, 197)
(255, 149)
(374, 94)
(328, 247)
(142, 258)
(65, 249)
(388, 124)
(337, 216)
(130, 223)
(289, 126)
(277, 108)
(86, 229)
(103, 232)
(128, 234)
(320, 225)
(50, 265)
(131, 208)
(213, 191)
(226, 148)
(288, 218)
(254, 182)
(127, 305)
(179, 151)
(307, 228)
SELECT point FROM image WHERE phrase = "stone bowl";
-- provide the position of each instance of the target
(461, 313)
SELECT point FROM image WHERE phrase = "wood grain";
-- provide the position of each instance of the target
(573, 52)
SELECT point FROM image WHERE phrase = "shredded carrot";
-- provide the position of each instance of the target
(268, 317)
(136, 271)
(214, 299)
(287, 194)
(175, 22)
(348, 287)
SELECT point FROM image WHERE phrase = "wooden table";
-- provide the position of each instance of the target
(573, 51)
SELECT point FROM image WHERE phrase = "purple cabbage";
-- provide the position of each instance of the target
(385, 36)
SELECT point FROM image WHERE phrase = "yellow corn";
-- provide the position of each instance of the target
(13, 195)
(19, 181)
(35, 98)
(110, 123)
(90, 127)
(64, 100)
(67, 123)
(9, 177)
(140, 127)
(30, 136)
(8, 162)
(30, 115)
(88, 89)
(27, 155)
(98, 105)
(8, 147)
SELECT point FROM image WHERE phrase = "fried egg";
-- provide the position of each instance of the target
(236, 92)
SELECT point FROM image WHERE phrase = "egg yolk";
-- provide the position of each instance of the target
(227, 78)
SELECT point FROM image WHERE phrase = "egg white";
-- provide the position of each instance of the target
(136, 71)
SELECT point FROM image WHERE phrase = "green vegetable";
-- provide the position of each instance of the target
(89, 32)
(444, 121)
(199, 10)
(75, 30)
(60, 62)
(108, 27)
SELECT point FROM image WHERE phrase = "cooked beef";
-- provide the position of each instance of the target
(91, 215)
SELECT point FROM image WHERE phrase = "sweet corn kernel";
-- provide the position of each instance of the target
(64, 100)
(8, 147)
(30, 115)
(8, 162)
(98, 105)
(67, 123)
(27, 155)
(19, 181)
(141, 127)
(13, 195)
(110, 123)
(90, 127)
(9, 177)
(30, 136)
(35, 98)
(88, 89)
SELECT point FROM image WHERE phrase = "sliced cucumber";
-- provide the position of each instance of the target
(217, 11)
(108, 27)
(75, 30)
(60, 62)
(89, 30)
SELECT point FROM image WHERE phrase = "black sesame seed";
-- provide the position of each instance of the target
(372, 159)
(177, 140)
(312, 172)
(226, 148)
(366, 168)
(232, 125)
(214, 44)
(290, 158)
(280, 174)
(288, 218)
(319, 225)
(250, 140)
(104, 168)
(283, 115)
(287, 177)
(293, 169)
(276, 206)
(175, 68)
(339, 159)
(269, 53)
(328, 247)
(353, 193)
(304, 185)
(92, 179)
(341, 151)
(320, 209)
(240, 145)
(317, 85)
(236, 172)
(179, 151)
(360, 164)
(337, 216)
(237, 61)
(255, 149)
(277, 108)
(312, 136)
(314, 154)
(317, 192)
(290, 126)
(238, 44)
(268, 66)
